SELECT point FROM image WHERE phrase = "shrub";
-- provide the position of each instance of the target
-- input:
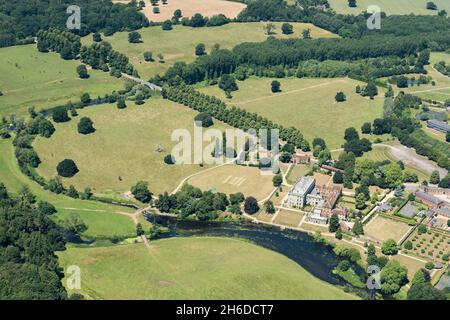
(429, 265)
(168, 159)
(86, 126)
(60, 115)
(205, 119)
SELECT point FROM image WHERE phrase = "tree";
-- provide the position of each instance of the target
(340, 97)
(338, 234)
(74, 224)
(402, 82)
(156, 10)
(85, 98)
(408, 245)
(121, 103)
(227, 83)
(148, 56)
(334, 223)
(200, 49)
(72, 192)
(168, 159)
(134, 37)
(425, 291)
(324, 156)
(177, 14)
(269, 28)
(275, 86)
(251, 205)
(236, 198)
(141, 192)
(366, 128)
(358, 227)
(393, 276)
(46, 208)
(96, 37)
(352, 3)
(435, 177)
(205, 119)
(338, 177)
(268, 205)
(60, 115)
(360, 201)
(370, 90)
(351, 134)
(394, 175)
(389, 247)
(139, 230)
(287, 28)
(67, 168)
(429, 265)
(421, 229)
(447, 136)
(431, 5)
(306, 34)
(86, 126)
(167, 25)
(82, 71)
(277, 180)
(421, 276)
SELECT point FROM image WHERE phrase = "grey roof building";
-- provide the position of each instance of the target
(437, 125)
(297, 196)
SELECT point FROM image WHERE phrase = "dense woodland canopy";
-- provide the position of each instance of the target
(28, 238)
(22, 19)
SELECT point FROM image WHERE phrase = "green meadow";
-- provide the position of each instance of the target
(102, 219)
(179, 44)
(194, 268)
(308, 104)
(31, 78)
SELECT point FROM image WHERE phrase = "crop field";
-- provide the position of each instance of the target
(179, 44)
(194, 268)
(102, 219)
(390, 7)
(307, 104)
(207, 8)
(128, 145)
(381, 229)
(31, 78)
(235, 178)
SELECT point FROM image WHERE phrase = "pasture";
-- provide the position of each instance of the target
(307, 104)
(103, 220)
(194, 268)
(235, 178)
(179, 44)
(382, 229)
(128, 145)
(31, 78)
(391, 7)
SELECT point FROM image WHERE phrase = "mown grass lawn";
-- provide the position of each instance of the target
(31, 78)
(101, 219)
(179, 44)
(128, 145)
(307, 104)
(391, 7)
(194, 268)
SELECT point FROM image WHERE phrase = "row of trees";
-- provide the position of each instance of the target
(233, 116)
(62, 41)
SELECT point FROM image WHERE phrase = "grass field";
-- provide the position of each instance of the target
(234, 178)
(101, 219)
(390, 6)
(382, 229)
(179, 43)
(194, 268)
(191, 7)
(297, 171)
(307, 104)
(30, 78)
(123, 150)
(289, 218)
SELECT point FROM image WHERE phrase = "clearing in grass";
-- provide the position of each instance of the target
(417, 7)
(179, 44)
(31, 78)
(235, 178)
(128, 145)
(308, 104)
(103, 220)
(194, 268)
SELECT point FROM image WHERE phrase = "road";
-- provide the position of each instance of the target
(148, 84)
